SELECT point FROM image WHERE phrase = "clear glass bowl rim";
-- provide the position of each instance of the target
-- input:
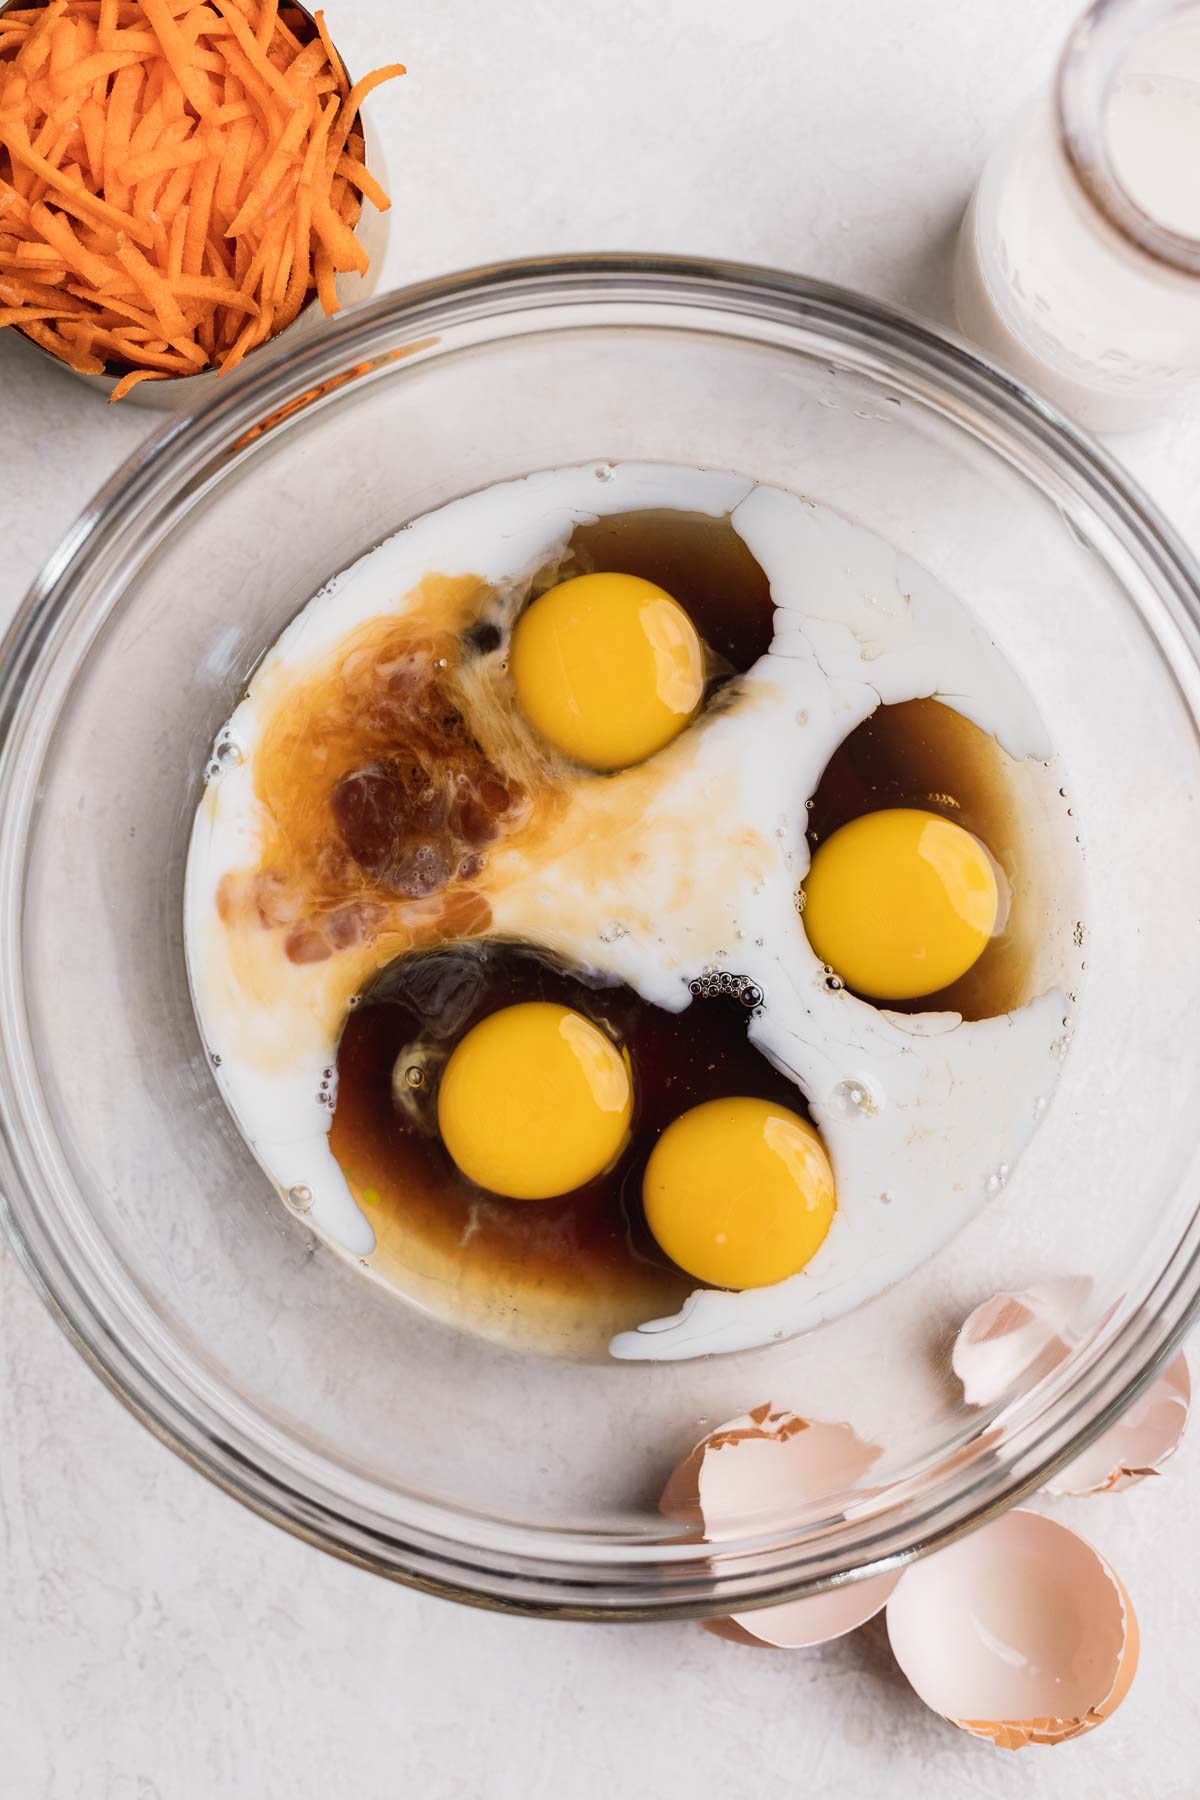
(455, 1553)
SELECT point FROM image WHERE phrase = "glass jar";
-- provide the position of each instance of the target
(1079, 260)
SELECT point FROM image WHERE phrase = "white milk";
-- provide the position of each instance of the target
(1046, 285)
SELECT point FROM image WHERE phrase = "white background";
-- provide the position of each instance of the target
(156, 1641)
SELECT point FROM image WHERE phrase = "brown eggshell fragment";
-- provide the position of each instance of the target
(1019, 1633)
(1141, 1441)
(1014, 1334)
(759, 1472)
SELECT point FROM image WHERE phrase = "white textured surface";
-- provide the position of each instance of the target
(156, 1641)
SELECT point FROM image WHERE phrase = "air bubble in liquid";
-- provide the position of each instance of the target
(996, 1180)
(854, 1099)
(229, 752)
(604, 472)
(299, 1198)
(414, 1077)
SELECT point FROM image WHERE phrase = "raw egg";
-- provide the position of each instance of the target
(739, 1192)
(607, 668)
(900, 903)
(535, 1101)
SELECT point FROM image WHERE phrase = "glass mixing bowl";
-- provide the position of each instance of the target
(347, 1416)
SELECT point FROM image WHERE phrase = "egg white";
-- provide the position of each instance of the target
(690, 862)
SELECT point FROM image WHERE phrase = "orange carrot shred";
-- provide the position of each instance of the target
(29, 314)
(59, 346)
(233, 163)
(345, 250)
(176, 50)
(204, 182)
(326, 291)
(91, 123)
(175, 244)
(265, 30)
(365, 182)
(358, 93)
(154, 285)
(271, 170)
(331, 56)
(254, 52)
(128, 382)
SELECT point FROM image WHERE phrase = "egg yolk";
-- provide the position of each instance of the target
(535, 1101)
(607, 668)
(739, 1192)
(900, 903)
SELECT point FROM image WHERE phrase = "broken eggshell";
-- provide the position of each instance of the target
(755, 1474)
(1141, 1441)
(1014, 1334)
(1019, 1633)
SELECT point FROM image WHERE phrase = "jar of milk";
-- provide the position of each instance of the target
(1079, 261)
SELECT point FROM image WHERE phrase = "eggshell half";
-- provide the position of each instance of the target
(1141, 1441)
(1020, 1633)
(755, 1474)
(1013, 1334)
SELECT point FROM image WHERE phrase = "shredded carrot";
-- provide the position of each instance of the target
(326, 288)
(345, 250)
(233, 167)
(59, 346)
(175, 243)
(165, 159)
(358, 93)
(91, 123)
(26, 315)
(331, 56)
(178, 179)
(154, 285)
(118, 126)
(364, 181)
(128, 382)
(265, 29)
(271, 170)
(255, 55)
